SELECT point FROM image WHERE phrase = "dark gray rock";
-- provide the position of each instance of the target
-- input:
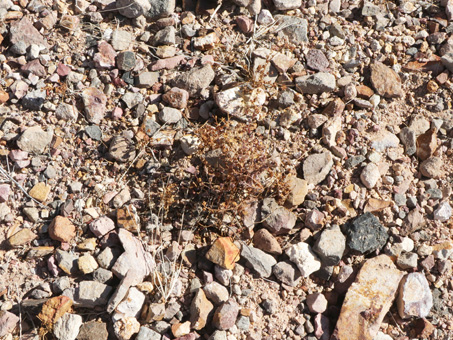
(408, 139)
(258, 260)
(352, 162)
(126, 61)
(365, 234)
(287, 273)
(34, 100)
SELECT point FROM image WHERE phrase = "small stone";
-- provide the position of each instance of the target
(285, 5)
(199, 310)
(102, 275)
(195, 80)
(443, 212)
(223, 275)
(314, 219)
(375, 285)
(122, 149)
(265, 241)
(24, 31)
(176, 97)
(128, 218)
(383, 140)
(316, 303)
(132, 303)
(146, 333)
(365, 234)
(265, 17)
(432, 167)
(132, 99)
(169, 115)
(258, 260)
(133, 8)
(414, 296)
(206, 42)
(225, 315)
(53, 309)
(316, 167)
(62, 229)
(22, 237)
(330, 246)
(121, 40)
(287, 273)
(408, 138)
(66, 112)
(92, 293)
(8, 322)
(67, 327)
(87, 264)
(105, 57)
(94, 101)
(93, 330)
(305, 259)
(423, 329)
(317, 60)
(67, 262)
(40, 191)
(223, 253)
(330, 130)
(126, 327)
(180, 329)
(370, 175)
(216, 292)
(298, 189)
(386, 81)
(407, 261)
(101, 226)
(165, 36)
(245, 24)
(126, 61)
(35, 140)
(316, 84)
(146, 79)
(277, 219)
(426, 144)
(295, 30)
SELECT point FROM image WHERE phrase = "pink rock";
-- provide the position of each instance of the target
(101, 226)
(18, 155)
(63, 70)
(8, 322)
(24, 31)
(117, 113)
(5, 189)
(245, 23)
(105, 58)
(314, 220)
(322, 327)
(207, 59)
(22, 164)
(317, 303)
(169, 63)
(34, 67)
(19, 89)
(94, 101)
(54, 78)
(109, 196)
(52, 266)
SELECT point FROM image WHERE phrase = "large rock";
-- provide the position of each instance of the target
(368, 300)
(67, 327)
(199, 310)
(365, 234)
(258, 260)
(161, 8)
(316, 167)
(195, 80)
(35, 139)
(414, 296)
(24, 32)
(133, 8)
(386, 81)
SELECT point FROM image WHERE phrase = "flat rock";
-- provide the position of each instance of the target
(386, 82)
(383, 140)
(316, 167)
(8, 322)
(258, 260)
(365, 234)
(317, 60)
(62, 229)
(105, 57)
(330, 246)
(35, 140)
(368, 300)
(67, 261)
(25, 32)
(223, 253)
(93, 330)
(287, 273)
(92, 293)
(122, 149)
(408, 139)
(306, 260)
(66, 112)
(277, 219)
(132, 303)
(285, 5)
(295, 28)
(199, 310)
(432, 167)
(265, 241)
(426, 144)
(414, 296)
(195, 80)
(236, 101)
(22, 237)
(40, 191)
(316, 83)
(126, 327)
(101, 226)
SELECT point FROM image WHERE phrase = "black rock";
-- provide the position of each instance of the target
(365, 234)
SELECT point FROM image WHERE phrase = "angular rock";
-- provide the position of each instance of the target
(146, 79)
(216, 292)
(146, 333)
(133, 8)
(199, 310)
(87, 264)
(169, 115)
(426, 144)
(305, 259)
(92, 293)
(265, 241)
(161, 8)
(223, 253)
(386, 82)
(176, 97)
(368, 300)
(94, 101)
(317, 166)
(408, 138)
(370, 175)
(122, 149)
(277, 219)
(316, 84)
(365, 234)
(53, 309)
(105, 58)
(66, 112)
(383, 140)
(314, 219)
(22, 237)
(237, 101)
(101, 226)
(285, 5)
(35, 140)
(317, 60)
(287, 273)
(195, 80)
(67, 327)
(62, 229)
(414, 296)
(330, 246)
(295, 28)
(121, 40)
(93, 330)
(443, 212)
(225, 315)
(23, 31)
(432, 167)
(132, 303)
(298, 189)
(258, 260)
(8, 322)
(126, 327)
(40, 191)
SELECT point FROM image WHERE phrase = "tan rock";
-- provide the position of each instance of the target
(128, 219)
(62, 229)
(22, 237)
(386, 81)
(87, 264)
(375, 205)
(426, 144)
(180, 329)
(265, 241)
(53, 309)
(330, 130)
(368, 300)
(40, 191)
(298, 189)
(432, 167)
(199, 310)
(38, 252)
(224, 253)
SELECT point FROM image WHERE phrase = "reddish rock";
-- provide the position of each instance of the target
(314, 219)
(364, 91)
(322, 327)
(245, 24)
(265, 241)
(426, 144)
(177, 98)
(105, 58)
(386, 81)
(62, 229)
(94, 101)
(53, 309)
(63, 70)
(199, 310)
(423, 328)
(4, 97)
(168, 64)
(225, 315)
(223, 253)
(35, 68)
(25, 32)
(317, 60)
(368, 300)
(101, 226)
(5, 190)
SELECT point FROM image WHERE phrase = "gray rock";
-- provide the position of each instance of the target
(365, 234)
(317, 166)
(287, 273)
(447, 61)
(294, 28)
(66, 112)
(146, 79)
(67, 327)
(34, 100)
(102, 275)
(126, 61)
(370, 175)
(161, 8)
(407, 260)
(93, 330)
(243, 323)
(408, 139)
(353, 161)
(67, 261)
(122, 149)
(35, 140)
(218, 335)
(107, 258)
(384, 140)
(121, 40)
(258, 260)
(91, 294)
(223, 275)
(166, 36)
(94, 132)
(370, 10)
(400, 199)
(285, 5)
(132, 99)
(276, 218)
(169, 115)
(61, 284)
(146, 333)
(443, 212)
(24, 31)
(195, 80)
(133, 8)
(316, 83)
(330, 246)
(216, 292)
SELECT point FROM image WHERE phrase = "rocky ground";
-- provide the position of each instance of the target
(252, 169)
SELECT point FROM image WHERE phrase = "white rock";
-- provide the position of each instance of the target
(382, 336)
(407, 244)
(284, 5)
(414, 296)
(265, 17)
(330, 130)
(67, 327)
(126, 327)
(305, 259)
(132, 304)
(235, 101)
(370, 175)
(443, 212)
(189, 144)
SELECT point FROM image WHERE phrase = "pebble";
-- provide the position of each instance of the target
(133, 8)
(225, 315)
(126, 61)
(67, 327)
(414, 296)
(443, 212)
(375, 285)
(408, 138)
(317, 60)
(93, 330)
(330, 246)
(102, 275)
(432, 167)
(306, 260)
(121, 40)
(87, 263)
(223, 275)
(218, 335)
(101, 226)
(287, 273)
(169, 115)
(132, 304)
(35, 140)
(195, 80)
(316, 167)
(298, 189)
(122, 149)
(40, 191)
(370, 175)
(216, 293)
(316, 84)
(94, 101)
(62, 229)
(223, 253)
(314, 219)
(365, 234)
(407, 260)
(126, 327)
(176, 97)
(386, 81)
(132, 99)
(277, 219)
(92, 293)
(105, 57)
(258, 260)
(146, 79)
(146, 333)
(383, 140)
(67, 261)
(265, 241)
(316, 303)
(200, 309)
(66, 112)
